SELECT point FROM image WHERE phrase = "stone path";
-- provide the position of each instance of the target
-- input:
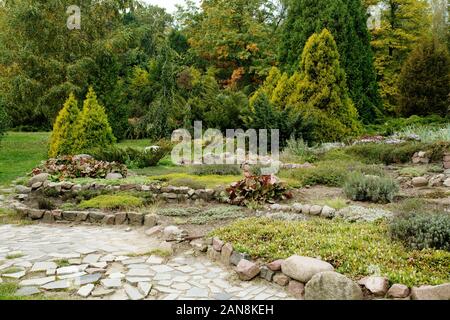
(95, 262)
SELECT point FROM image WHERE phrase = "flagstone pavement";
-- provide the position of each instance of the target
(119, 263)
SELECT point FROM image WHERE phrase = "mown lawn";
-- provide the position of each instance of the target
(20, 152)
(354, 249)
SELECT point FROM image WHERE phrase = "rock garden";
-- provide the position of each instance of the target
(357, 227)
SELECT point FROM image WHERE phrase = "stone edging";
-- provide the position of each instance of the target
(309, 278)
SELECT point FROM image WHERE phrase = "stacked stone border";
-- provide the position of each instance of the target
(314, 279)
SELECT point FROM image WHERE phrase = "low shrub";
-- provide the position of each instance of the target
(178, 212)
(360, 187)
(133, 157)
(385, 153)
(217, 213)
(422, 230)
(111, 202)
(259, 189)
(216, 169)
(352, 248)
(413, 171)
(67, 167)
(328, 173)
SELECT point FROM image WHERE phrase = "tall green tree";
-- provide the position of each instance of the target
(403, 23)
(45, 61)
(346, 20)
(322, 97)
(92, 128)
(62, 138)
(237, 37)
(424, 81)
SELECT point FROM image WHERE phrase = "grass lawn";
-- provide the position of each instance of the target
(20, 152)
(352, 248)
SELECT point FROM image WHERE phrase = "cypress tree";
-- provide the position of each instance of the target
(61, 140)
(92, 128)
(321, 97)
(424, 81)
(346, 20)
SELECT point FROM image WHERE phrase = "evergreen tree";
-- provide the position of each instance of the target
(425, 81)
(403, 23)
(61, 140)
(92, 128)
(262, 114)
(346, 20)
(321, 97)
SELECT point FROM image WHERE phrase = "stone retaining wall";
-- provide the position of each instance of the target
(314, 279)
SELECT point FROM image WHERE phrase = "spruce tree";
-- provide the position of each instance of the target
(92, 128)
(346, 20)
(321, 97)
(61, 140)
(424, 81)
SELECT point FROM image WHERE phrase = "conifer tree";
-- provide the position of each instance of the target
(346, 20)
(424, 81)
(61, 141)
(321, 97)
(92, 128)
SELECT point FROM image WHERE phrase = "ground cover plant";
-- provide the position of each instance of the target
(352, 248)
(118, 201)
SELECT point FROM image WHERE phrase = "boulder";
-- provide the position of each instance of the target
(376, 285)
(227, 250)
(135, 218)
(247, 270)
(330, 285)
(297, 207)
(41, 177)
(398, 291)
(150, 220)
(419, 182)
(173, 233)
(217, 244)
(266, 273)
(113, 176)
(436, 181)
(328, 212)
(447, 182)
(281, 279)
(36, 185)
(297, 289)
(306, 208)
(304, 268)
(275, 265)
(22, 189)
(315, 210)
(121, 218)
(236, 257)
(109, 219)
(439, 292)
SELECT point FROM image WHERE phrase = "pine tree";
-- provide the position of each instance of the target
(346, 20)
(92, 128)
(425, 81)
(61, 140)
(321, 97)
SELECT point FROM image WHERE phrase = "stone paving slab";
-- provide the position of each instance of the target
(116, 263)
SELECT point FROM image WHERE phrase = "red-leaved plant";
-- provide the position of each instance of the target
(79, 167)
(265, 188)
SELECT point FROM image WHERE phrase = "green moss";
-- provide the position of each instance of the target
(14, 256)
(112, 202)
(412, 171)
(208, 181)
(11, 270)
(350, 248)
